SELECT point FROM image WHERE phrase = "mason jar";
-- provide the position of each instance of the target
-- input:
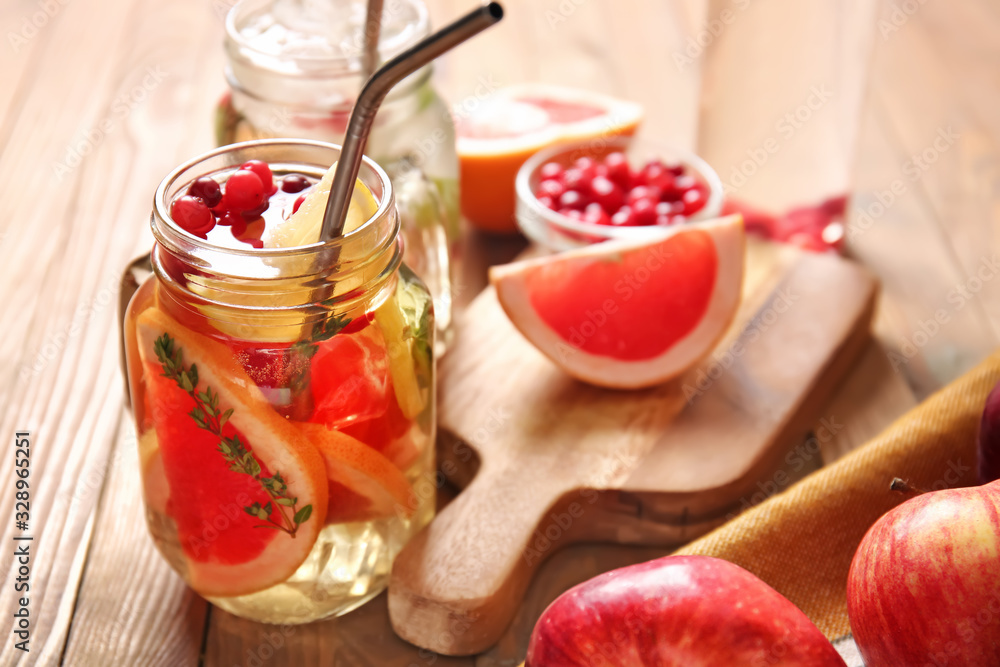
(283, 401)
(294, 69)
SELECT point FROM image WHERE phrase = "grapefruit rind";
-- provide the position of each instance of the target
(275, 443)
(618, 116)
(489, 165)
(514, 297)
(363, 470)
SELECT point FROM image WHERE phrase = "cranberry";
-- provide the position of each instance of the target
(666, 183)
(685, 183)
(623, 217)
(552, 189)
(573, 199)
(693, 201)
(257, 212)
(644, 211)
(256, 243)
(675, 168)
(192, 215)
(298, 202)
(664, 208)
(238, 226)
(550, 171)
(293, 183)
(595, 214)
(208, 190)
(650, 171)
(587, 166)
(607, 194)
(263, 172)
(229, 219)
(547, 202)
(572, 213)
(244, 191)
(576, 179)
(642, 192)
(618, 169)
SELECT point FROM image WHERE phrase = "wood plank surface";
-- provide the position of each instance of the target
(100, 593)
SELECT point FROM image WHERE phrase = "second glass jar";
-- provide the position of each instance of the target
(294, 69)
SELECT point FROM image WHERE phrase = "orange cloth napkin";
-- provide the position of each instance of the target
(802, 541)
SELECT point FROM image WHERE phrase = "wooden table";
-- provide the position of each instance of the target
(100, 99)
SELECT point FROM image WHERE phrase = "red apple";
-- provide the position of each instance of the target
(924, 585)
(689, 611)
(988, 469)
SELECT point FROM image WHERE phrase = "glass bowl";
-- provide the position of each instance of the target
(559, 232)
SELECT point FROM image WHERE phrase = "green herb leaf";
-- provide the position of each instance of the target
(303, 514)
(206, 415)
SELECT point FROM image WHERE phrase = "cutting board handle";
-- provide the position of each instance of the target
(457, 584)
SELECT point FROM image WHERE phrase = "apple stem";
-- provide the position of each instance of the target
(900, 486)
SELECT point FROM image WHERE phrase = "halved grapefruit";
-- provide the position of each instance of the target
(363, 484)
(227, 550)
(514, 124)
(634, 313)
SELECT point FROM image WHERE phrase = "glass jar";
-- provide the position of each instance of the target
(294, 69)
(283, 401)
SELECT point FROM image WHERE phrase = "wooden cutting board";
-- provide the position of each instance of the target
(549, 461)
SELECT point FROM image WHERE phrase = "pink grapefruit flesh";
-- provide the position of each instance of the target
(630, 314)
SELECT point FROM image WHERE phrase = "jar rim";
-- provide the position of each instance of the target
(161, 203)
(346, 63)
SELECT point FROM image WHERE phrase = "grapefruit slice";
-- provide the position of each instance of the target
(629, 314)
(393, 434)
(227, 550)
(363, 484)
(515, 123)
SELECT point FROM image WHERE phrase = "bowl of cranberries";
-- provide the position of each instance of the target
(571, 195)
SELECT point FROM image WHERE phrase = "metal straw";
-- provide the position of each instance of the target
(373, 28)
(375, 90)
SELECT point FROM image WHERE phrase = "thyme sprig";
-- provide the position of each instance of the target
(209, 417)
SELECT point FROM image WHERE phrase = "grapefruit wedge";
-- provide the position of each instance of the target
(515, 123)
(228, 548)
(629, 314)
(363, 484)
